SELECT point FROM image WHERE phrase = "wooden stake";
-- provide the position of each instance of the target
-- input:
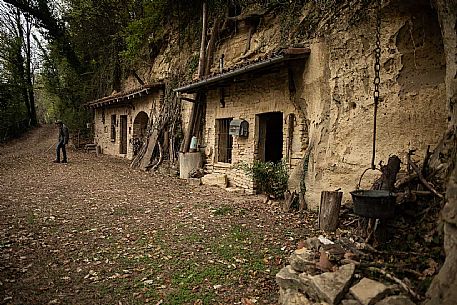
(329, 210)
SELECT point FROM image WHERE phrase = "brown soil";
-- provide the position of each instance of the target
(94, 231)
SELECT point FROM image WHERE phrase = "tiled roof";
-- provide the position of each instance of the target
(122, 97)
(243, 68)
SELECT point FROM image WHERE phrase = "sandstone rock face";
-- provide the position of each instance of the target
(341, 111)
(368, 291)
(331, 286)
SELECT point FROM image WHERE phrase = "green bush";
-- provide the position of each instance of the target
(269, 177)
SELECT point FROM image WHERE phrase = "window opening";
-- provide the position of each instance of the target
(113, 128)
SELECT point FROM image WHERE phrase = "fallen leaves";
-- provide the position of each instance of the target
(96, 231)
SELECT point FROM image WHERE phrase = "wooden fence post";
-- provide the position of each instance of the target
(329, 210)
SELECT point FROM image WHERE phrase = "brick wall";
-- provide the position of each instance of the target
(262, 94)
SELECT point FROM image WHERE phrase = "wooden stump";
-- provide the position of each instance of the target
(329, 210)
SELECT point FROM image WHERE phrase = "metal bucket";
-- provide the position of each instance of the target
(374, 203)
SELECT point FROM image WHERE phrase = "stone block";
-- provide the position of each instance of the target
(368, 291)
(313, 243)
(189, 162)
(287, 278)
(215, 179)
(292, 297)
(307, 286)
(331, 286)
(232, 189)
(194, 181)
(396, 300)
(302, 260)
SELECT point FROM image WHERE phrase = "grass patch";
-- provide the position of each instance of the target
(186, 296)
(31, 219)
(191, 282)
(193, 237)
(224, 210)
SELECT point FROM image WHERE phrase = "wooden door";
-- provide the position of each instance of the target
(261, 126)
(123, 139)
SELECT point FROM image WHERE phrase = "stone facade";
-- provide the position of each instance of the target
(109, 136)
(247, 100)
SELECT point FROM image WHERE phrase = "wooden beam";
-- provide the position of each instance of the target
(188, 99)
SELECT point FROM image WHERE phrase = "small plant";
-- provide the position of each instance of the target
(224, 210)
(269, 177)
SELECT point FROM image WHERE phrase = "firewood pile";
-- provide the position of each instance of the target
(163, 134)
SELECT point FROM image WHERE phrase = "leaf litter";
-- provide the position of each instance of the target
(94, 231)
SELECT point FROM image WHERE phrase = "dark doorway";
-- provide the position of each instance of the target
(224, 141)
(269, 136)
(123, 139)
(140, 127)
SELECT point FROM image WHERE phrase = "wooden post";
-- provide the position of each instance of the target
(201, 72)
(329, 210)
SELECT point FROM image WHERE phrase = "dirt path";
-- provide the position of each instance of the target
(96, 232)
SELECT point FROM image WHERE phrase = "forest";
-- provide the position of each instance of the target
(57, 55)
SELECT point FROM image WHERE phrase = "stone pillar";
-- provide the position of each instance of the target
(188, 162)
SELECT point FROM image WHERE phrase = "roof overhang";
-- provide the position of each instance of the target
(125, 97)
(223, 78)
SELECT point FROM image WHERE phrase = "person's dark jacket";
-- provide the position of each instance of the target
(63, 134)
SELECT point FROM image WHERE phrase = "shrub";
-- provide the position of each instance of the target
(269, 177)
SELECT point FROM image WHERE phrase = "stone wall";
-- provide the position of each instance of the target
(103, 129)
(262, 94)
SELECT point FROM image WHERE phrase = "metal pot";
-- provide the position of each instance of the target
(374, 203)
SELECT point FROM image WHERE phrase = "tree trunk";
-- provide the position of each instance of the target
(201, 61)
(29, 74)
(329, 210)
(211, 44)
(21, 65)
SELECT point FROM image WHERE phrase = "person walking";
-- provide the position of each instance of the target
(63, 140)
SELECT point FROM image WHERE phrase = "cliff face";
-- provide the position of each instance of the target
(334, 88)
(412, 113)
(442, 289)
